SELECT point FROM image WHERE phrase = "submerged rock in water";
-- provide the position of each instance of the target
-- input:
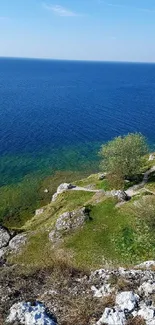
(30, 314)
(4, 237)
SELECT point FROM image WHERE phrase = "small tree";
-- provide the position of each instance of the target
(124, 156)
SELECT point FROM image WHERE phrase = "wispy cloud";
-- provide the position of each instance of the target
(149, 10)
(60, 11)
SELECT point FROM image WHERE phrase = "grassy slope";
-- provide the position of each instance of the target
(113, 234)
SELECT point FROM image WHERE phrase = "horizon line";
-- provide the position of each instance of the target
(75, 60)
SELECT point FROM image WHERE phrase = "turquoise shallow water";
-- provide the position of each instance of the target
(54, 115)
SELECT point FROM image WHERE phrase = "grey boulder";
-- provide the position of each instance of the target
(68, 222)
(4, 237)
(17, 241)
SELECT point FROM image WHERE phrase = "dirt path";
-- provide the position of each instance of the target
(134, 190)
(80, 188)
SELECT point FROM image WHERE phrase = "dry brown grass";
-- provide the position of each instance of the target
(120, 283)
(124, 285)
(136, 321)
(86, 310)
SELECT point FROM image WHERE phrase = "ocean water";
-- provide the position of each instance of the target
(56, 114)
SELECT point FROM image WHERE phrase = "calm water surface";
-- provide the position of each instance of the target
(55, 114)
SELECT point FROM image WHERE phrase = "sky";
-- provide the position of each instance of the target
(110, 30)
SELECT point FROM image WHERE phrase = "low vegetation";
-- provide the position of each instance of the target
(113, 235)
(124, 157)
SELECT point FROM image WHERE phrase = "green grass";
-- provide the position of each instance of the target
(36, 254)
(66, 201)
(94, 182)
(93, 244)
(113, 234)
(38, 251)
(151, 183)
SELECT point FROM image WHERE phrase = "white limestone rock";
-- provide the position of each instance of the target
(112, 316)
(104, 291)
(152, 157)
(147, 288)
(127, 300)
(28, 314)
(4, 237)
(147, 264)
(39, 211)
(62, 188)
(148, 313)
(119, 194)
(54, 197)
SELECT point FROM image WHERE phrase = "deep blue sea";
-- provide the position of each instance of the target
(56, 114)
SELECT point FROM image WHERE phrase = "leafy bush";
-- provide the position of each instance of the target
(124, 156)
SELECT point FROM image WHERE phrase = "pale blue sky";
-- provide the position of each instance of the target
(118, 30)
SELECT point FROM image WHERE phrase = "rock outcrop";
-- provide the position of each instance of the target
(69, 221)
(119, 194)
(39, 211)
(30, 314)
(118, 296)
(62, 188)
(101, 177)
(152, 157)
(137, 303)
(4, 237)
(17, 242)
(9, 241)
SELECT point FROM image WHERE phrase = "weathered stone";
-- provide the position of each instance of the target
(147, 288)
(121, 195)
(17, 241)
(101, 177)
(54, 197)
(147, 313)
(62, 188)
(69, 221)
(30, 314)
(127, 300)
(152, 157)
(147, 264)
(4, 237)
(39, 211)
(3, 251)
(112, 316)
(104, 291)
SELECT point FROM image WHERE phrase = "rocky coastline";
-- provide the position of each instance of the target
(66, 295)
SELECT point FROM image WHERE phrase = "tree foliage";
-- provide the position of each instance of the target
(124, 156)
